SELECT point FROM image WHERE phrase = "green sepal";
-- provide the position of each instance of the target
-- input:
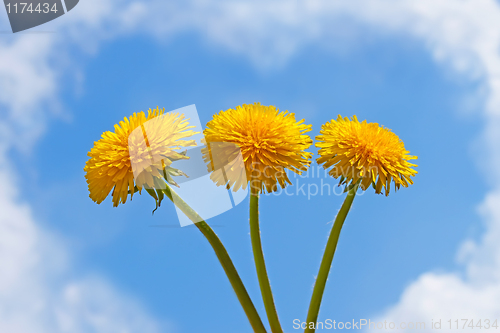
(155, 196)
(136, 189)
(182, 157)
(152, 193)
(168, 172)
(352, 185)
(159, 185)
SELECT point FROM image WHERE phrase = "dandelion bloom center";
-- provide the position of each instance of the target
(269, 140)
(366, 152)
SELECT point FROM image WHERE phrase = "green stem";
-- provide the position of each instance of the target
(224, 259)
(326, 262)
(260, 264)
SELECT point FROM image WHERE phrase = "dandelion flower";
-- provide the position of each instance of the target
(136, 155)
(269, 141)
(366, 152)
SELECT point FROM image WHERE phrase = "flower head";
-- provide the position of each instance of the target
(366, 152)
(136, 155)
(268, 141)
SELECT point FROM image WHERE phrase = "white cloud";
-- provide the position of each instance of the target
(27, 83)
(38, 290)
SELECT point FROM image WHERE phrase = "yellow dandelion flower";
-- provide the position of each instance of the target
(366, 152)
(268, 140)
(136, 155)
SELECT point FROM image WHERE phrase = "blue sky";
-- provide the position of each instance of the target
(387, 242)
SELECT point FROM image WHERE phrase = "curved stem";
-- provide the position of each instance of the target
(224, 259)
(326, 262)
(260, 264)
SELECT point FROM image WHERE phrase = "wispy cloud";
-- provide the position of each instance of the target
(38, 292)
(39, 289)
